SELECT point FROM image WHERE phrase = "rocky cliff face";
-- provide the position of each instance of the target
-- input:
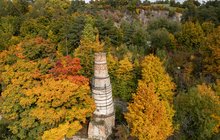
(145, 16)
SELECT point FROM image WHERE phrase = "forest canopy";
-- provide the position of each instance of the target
(163, 61)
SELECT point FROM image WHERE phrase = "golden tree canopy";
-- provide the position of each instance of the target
(150, 114)
(153, 72)
(43, 105)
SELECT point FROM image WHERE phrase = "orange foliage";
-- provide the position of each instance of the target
(35, 103)
(68, 68)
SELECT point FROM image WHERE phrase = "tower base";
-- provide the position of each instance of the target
(101, 127)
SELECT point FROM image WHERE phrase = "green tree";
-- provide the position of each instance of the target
(124, 79)
(159, 39)
(76, 5)
(37, 48)
(191, 35)
(191, 10)
(135, 36)
(206, 12)
(4, 131)
(14, 7)
(132, 4)
(3, 6)
(51, 9)
(9, 29)
(198, 112)
(30, 28)
(169, 25)
(161, 34)
(21, 6)
(68, 36)
(89, 44)
(107, 31)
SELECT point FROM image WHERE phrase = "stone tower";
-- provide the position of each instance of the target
(104, 116)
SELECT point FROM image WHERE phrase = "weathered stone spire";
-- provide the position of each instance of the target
(104, 118)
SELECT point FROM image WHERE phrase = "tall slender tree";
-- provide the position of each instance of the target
(150, 114)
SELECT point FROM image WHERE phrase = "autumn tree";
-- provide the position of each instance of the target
(33, 27)
(112, 63)
(89, 44)
(10, 56)
(124, 79)
(153, 72)
(150, 114)
(51, 105)
(208, 27)
(198, 112)
(9, 28)
(68, 68)
(191, 35)
(38, 48)
(123, 74)
(211, 54)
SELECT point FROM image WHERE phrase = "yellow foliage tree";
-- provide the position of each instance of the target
(41, 105)
(124, 79)
(191, 35)
(211, 53)
(60, 102)
(153, 72)
(125, 67)
(150, 114)
(112, 63)
(59, 132)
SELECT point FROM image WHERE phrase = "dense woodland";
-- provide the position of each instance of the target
(166, 71)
